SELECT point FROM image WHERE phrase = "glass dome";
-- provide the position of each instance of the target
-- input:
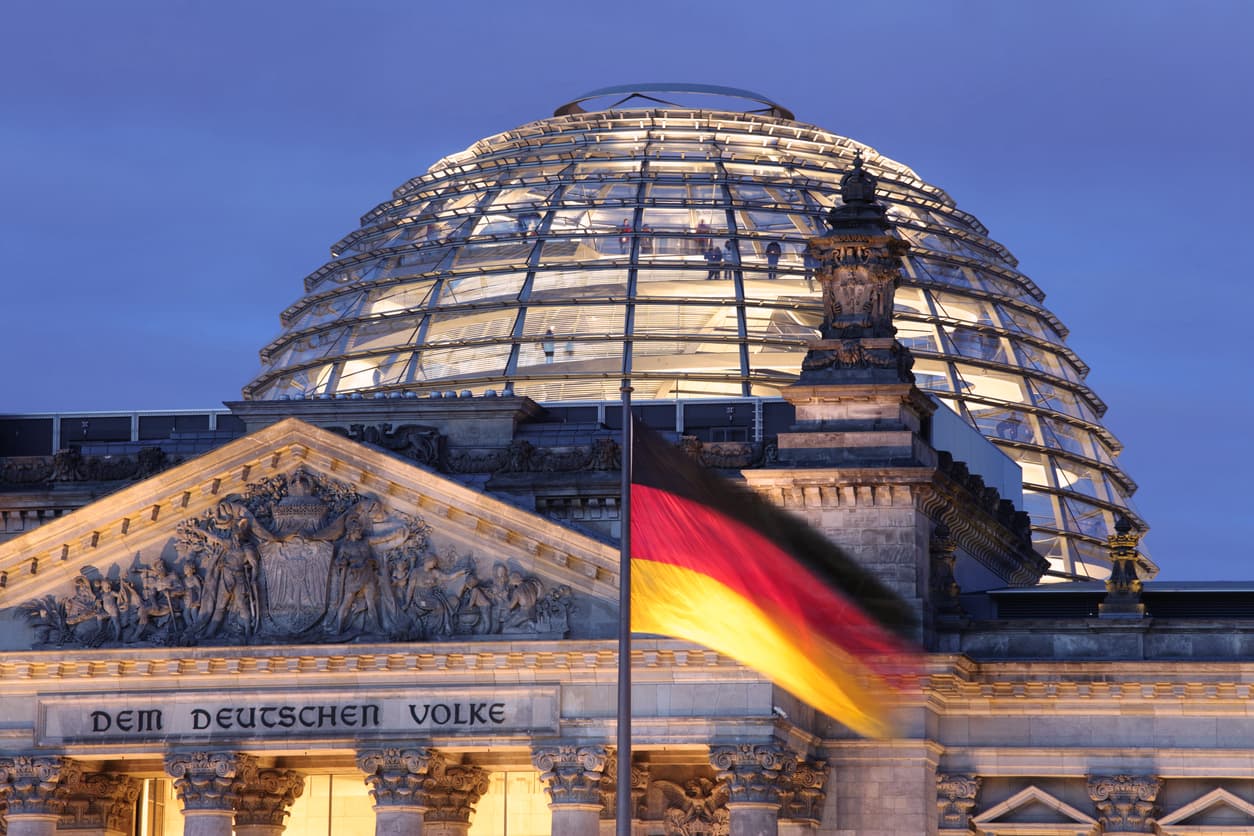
(664, 242)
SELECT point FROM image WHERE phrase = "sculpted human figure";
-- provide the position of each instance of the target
(521, 604)
(230, 584)
(192, 590)
(358, 573)
(81, 613)
(108, 606)
(426, 593)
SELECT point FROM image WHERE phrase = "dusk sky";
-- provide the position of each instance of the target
(170, 172)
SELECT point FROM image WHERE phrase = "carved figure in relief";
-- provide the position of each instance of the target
(298, 557)
(697, 808)
(520, 608)
(108, 609)
(358, 575)
(193, 587)
(230, 584)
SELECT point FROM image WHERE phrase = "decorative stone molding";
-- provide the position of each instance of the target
(398, 777)
(268, 797)
(210, 780)
(99, 801)
(698, 806)
(453, 793)
(34, 785)
(571, 774)
(1125, 803)
(804, 792)
(754, 773)
(955, 799)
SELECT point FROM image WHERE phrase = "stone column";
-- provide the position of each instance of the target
(265, 801)
(99, 804)
(208, 785)
(572, 778)
(755, 774)
(398, 779)
(452, 794)
(31, 786)
(1125, 803)
(955, 799)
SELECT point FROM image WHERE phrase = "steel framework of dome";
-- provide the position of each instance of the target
(555, 259)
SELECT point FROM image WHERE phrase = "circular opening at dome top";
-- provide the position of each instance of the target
(675, 95)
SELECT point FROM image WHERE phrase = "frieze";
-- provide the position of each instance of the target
(300, 557)
(159, 718)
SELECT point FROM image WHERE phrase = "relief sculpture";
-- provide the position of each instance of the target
(300, 558)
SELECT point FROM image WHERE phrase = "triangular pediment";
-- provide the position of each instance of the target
(295, 534)
(1035, 811)
(1217, 812)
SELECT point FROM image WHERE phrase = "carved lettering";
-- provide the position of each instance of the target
(458, 713)
(127, 720)
(200, 719)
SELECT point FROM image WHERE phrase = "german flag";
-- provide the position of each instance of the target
(714, 563)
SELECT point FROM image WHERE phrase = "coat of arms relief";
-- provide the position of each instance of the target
(301, 558)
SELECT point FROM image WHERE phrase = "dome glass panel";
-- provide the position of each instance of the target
(667, 243)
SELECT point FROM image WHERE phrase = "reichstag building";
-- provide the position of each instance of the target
(379, 592)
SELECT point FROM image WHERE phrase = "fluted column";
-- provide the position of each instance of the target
(265, 801)
(755, 775)
(208, 785)
(31, 787)
(99, 804)
(398, 779)
(572, 779)
(451, 798)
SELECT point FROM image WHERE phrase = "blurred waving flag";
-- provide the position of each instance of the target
(714, 563)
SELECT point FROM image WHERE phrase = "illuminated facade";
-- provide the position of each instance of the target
(350, 605)
(555, 259)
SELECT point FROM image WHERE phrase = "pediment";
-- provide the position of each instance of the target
(1217, 812)
(1034, 811)
(295, 534)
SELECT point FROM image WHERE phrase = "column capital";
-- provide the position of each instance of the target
(804, 792)
(955, 799)
(268, 796)
(753, 771)
(398, 776)
(1125, 803)
(210, 780)
(100, 801)
(609, 786)
(32, 785)
(453, 793)
(571, 773)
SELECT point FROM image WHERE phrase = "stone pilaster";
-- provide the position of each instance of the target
(609, 789)
(756, 776)
(451, 798)
(1125, 803)
(803, 794)
(266, 800)
(208, 786)
(32, 788)
(572, 778)
(955, 799)
(99, 804)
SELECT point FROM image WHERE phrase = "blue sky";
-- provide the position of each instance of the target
(169, 172)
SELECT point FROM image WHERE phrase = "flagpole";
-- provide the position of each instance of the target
(622, 812)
